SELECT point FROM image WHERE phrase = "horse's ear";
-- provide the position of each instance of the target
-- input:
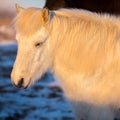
(45, 14)
(18, 8)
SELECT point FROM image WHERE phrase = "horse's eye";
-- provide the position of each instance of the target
(38, 44)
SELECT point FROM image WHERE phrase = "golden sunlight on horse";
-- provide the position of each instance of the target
(80, 48)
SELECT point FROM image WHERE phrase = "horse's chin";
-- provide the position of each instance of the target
(25, 87)
(30, 84)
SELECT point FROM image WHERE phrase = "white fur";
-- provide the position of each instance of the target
(82, 49)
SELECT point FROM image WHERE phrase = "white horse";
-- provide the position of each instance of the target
(80, 48)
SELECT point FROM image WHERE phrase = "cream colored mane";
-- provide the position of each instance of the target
(93, 40)
(84, 14)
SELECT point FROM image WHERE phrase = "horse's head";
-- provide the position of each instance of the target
(33, 47)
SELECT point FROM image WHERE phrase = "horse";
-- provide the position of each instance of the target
(82, 51)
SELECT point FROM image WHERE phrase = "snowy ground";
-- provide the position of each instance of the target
(39, 102)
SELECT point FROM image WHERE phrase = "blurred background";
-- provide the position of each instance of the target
(8, 12)
(44, 100)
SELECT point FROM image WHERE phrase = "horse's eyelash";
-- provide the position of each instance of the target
(38, 44)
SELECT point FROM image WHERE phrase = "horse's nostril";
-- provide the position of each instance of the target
(20, 83)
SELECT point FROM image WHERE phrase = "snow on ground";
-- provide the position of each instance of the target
(40, 102)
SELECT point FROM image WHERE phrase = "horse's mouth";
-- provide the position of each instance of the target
(22, 86)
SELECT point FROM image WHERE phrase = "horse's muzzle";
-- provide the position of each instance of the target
(20, 84)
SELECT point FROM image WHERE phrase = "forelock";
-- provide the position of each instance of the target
(28, 21)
